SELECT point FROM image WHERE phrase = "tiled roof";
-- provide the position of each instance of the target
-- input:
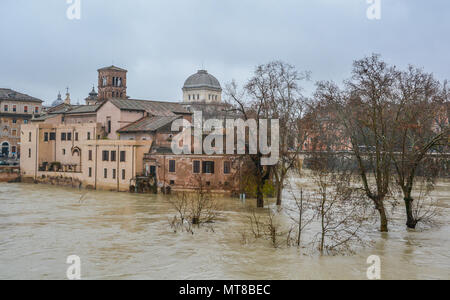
(148, 124)
(113, 68)
(83, 109)
(10, 95)
(155, 108)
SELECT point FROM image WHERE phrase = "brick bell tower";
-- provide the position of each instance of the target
(112, 83)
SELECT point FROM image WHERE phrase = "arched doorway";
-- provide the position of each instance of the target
(5, 149)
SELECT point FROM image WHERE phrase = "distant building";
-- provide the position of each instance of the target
(15, 109)
(85, 142)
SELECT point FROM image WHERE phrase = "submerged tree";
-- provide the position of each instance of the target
(421, 129)
(273, 93)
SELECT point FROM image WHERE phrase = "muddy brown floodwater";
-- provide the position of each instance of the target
(125, 236)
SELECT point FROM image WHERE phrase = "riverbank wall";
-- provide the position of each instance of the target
(9, 174)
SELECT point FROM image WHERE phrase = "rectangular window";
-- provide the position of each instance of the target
(208, 167)
(123, 174)
(14, 121)
(69, 136)
(90, 172)
(226, 167)
(64, 151)
(25, 121)
(14, 108)
(63, 136)
(36, 109)
(29, 153)
(76, 136)
(5, 108)
(29, 136)
(105, 171)
(46, 137)
(196, 167)
(122, 156)
(90, 155)
(108, 121)
(113, 173)
(105, 155)
(52, 136)
(171, 166)
(25, 109)
(89, 136)
(113, 155)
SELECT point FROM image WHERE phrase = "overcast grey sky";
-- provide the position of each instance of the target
(162, 42)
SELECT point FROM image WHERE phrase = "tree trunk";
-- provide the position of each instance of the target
(411, 222)
(259, 195)
(383, 218)
(280, 192)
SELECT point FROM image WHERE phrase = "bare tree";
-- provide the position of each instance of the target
(340, 208)
(363, 114)
(274, 93)
(194, 208)
(299, 214)
(419, 132)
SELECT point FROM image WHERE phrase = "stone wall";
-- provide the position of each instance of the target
(9, 174)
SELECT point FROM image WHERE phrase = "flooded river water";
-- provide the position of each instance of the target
(125, 236)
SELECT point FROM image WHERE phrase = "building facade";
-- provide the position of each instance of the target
(118, 143)
(16, 109)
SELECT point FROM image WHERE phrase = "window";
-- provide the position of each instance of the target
(208, 167)
(113, 173)
(196, 168)
(63, 136)
(46, 137)
(14, 121)
(88, 136)
(52, 136)
(25, 121)
(90, 155)
(108, 124)
(64, 151)
(105, 155)
(29, 136)
(14, 108)
(5, 108)
(122, 156)
(226, 167)
(13, 149)
(76, 136)
(105, 173)
(25, 109)
(29, 153)
(69, 136)
(90, 172)
(113, 155)
(172, 182)
(153, 170)
(171, 166)
(36, 109)
(123, 174)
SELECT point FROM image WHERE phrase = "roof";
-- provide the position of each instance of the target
(202, 79)
(148, 124)
(84, 109)
(113, 68)
(155, 108)
(11, 95)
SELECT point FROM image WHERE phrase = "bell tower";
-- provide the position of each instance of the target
(112, 83)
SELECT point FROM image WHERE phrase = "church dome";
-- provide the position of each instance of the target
(58, 101)
(202, 79)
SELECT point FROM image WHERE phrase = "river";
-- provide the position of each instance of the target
(127, 236)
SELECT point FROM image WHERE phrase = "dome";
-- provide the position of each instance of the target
(202, 79)
(58, 101)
